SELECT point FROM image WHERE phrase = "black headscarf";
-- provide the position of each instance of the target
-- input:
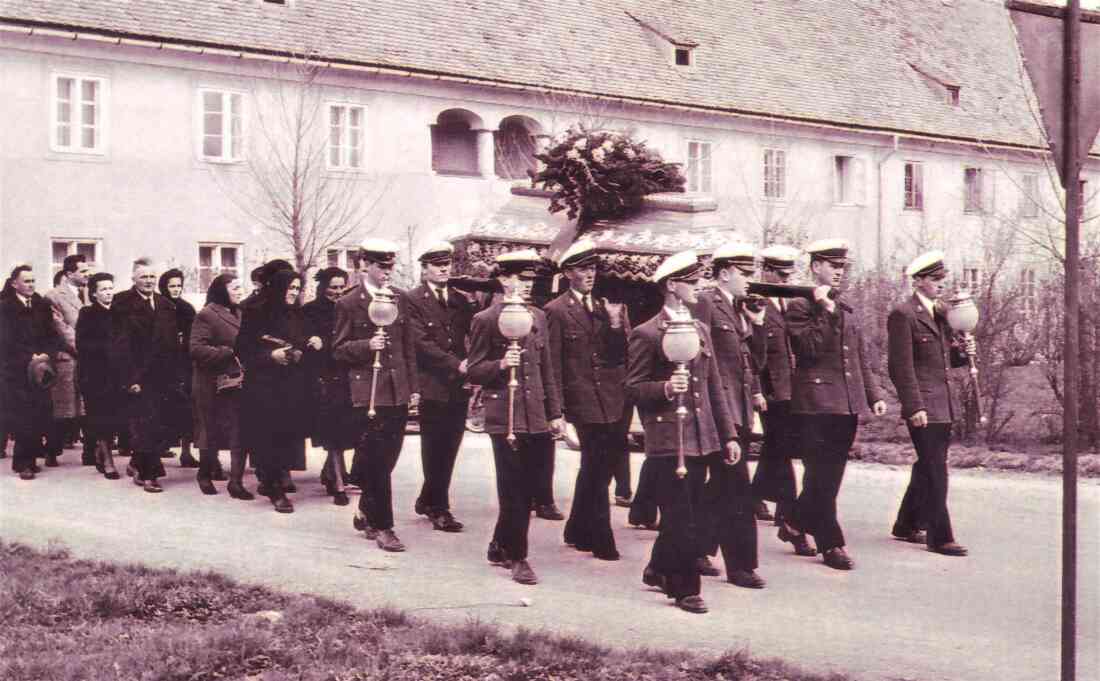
(277, 285)
(218, 293)
(165, 278)
(325, 277)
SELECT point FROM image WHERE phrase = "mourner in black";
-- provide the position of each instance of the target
(654, 384)
(441, 318)
(395, 387)
(921, 352)
(832, 385)
(737, 332)
(588, 348)
(100, 373)
(28, 339)
(178, 417)
(536, 415)
(775, 477)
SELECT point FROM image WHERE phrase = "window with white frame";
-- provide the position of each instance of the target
(345, 137)
(972, 279)
(979, 191)
(344, 258)
(1027, 290)
(698, 167)
(848, 180)
(914, 186)
(775, 173)
(222, 125)
(62, 248)
(78, 121)
(1029, 195)
(215, 259)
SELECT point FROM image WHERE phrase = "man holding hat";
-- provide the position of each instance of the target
(588, 348)
(654, 383)
(441, 319)
(738, 334)
(355, 344)
(536, 416)
(920, 355)
(832, 386)
(775, 479)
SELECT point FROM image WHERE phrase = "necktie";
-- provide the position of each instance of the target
(783, 305)
(439, 296)
(152, 305)
(588, 303)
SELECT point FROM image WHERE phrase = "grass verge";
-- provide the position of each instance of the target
(65, 619)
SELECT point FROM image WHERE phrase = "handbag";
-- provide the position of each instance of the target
(229, 382)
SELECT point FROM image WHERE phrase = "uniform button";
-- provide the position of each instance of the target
(697, 394)
(846, 373)
(845, 347)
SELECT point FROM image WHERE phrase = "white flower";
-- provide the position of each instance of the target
(573, 154)
(598, 154)
(608, 145)
(582, 143)
(629, 153)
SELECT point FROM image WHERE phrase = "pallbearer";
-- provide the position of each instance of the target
(382, 374)
(775, 479)
(535, 414)
(921, 352)
(654, 385)
(441, 320)
(588, 347)
(833, 385)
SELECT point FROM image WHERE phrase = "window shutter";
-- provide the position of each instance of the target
(859, 181)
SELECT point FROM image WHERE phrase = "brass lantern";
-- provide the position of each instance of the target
(962, 317)
(515, 324)
(382, 311)
(681, 345)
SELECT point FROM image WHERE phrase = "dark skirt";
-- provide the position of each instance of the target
(332, 424)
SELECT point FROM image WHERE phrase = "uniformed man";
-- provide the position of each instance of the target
(775, 478)
(536, 416)
(588, 348)
(441, 319)
(355, 343)
(921, 352)
(832, 385)
(654, 383)
(737, 331)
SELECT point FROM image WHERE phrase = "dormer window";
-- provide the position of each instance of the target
(682, 56)
(953, 95)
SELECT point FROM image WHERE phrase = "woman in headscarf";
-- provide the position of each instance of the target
(216, 385)
(101, 374)
(330, 383)
(177, 417)
(275, 412)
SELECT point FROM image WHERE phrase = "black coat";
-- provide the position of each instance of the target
(920, 355)
(149, 351)
(332, 427)
(440, 335)
(25, 332)
(102, 377)
(775, 373)
(739, 348)
(275, 398)
(398, 378)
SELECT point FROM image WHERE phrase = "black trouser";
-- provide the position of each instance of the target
(676, 549)
(519, 473)
(774, 479)
(589, 524)
(643, 509)
(442, 425)
(924, 505)
(376, 454)
(621, 464)
(826, 441)
(728, 505)
(27, 449)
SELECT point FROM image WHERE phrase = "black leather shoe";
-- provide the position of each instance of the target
(949, 549)
(624, 502)
(446, 522)
(282, 504)
(606, 555)
(495, 555)
(388, 541)
(186, 460)
(801, 544)
(761, 510)
(911, 536)
(837, 558)
(111, 473)
(26, 474)
(289, 487)
(206, 486)
(35, 468)
(152, 486)
(238, 491)
(422, 509)
(549, 512)
(359, 522)
(706, 568)
(746, 578)
(340, 498)
(523, 574)
(693, 604)
(651, 577)
(51, 461)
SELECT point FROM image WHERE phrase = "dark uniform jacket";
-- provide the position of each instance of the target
(25, 332)
(440, 334)
(398, 378)
(775, 372)
(589, 360)
(709, 424)
(537, 396)
(920, 355)
(834, 371)
(738, 347)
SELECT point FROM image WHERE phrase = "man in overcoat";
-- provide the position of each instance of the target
(588, 348)
(66, 300)
(921, 353)
(441, 318)
(27, 336)
(832, 386)
(655, 385)
(536, 416)
(356, 344)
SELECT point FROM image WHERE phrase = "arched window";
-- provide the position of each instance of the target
(514, 145)
(454, 142)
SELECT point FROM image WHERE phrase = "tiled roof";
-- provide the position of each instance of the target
(845, 62)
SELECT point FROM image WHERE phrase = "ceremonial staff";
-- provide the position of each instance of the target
(382, 312)
(962, 316)
(681, 345)
(515, 324)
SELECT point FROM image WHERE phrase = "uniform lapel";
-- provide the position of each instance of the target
(922, 314)
(576, 308)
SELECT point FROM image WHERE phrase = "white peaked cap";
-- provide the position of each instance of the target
(683, 262)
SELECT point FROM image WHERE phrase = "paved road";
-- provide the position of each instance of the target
(903, 613)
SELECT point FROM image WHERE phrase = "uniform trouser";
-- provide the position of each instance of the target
(620, 470)
(728, 505)
(924, 505)
(442, 425)
(826, 441)
(274, 458)
(518, 472)
(676, 548)
(774, 479)
(376, 452)
(589, 524)
(643, 509)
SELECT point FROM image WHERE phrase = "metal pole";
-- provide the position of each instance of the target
(1071, 175)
